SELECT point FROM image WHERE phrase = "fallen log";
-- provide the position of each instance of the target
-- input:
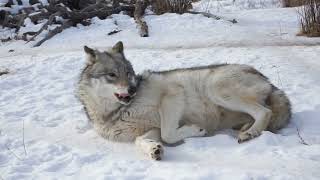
(67, 13)
(54, 32)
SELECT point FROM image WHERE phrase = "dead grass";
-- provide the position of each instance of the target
(310, 18)
(171, 6)
(292, 3)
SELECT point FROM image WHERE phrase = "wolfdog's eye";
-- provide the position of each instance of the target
(113, 75)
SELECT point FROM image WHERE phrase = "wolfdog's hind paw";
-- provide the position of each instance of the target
(193, 131)
(247, 135)
(156, 151)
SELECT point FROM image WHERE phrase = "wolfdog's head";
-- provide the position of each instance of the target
(111, 73)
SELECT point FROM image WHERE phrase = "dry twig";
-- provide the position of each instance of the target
(300, 137)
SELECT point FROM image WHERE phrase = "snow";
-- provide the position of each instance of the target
(38, 99)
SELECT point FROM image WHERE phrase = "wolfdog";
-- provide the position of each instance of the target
(169, 106)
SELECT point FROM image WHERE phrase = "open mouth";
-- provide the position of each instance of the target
(123, 98)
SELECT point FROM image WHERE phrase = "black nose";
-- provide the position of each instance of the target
(132, 90)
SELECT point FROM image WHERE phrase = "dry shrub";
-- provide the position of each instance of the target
(172, 6)
(292, 3)
(310, 18)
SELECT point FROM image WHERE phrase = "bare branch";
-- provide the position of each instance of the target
(209, 15)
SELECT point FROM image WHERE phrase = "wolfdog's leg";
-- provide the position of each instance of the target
(260, 113)
(245, 126)
(149, 143)
(262, 116)
(172, 108)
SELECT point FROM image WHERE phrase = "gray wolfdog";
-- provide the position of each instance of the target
(170, 106)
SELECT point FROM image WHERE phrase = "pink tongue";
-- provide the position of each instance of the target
(123, 95)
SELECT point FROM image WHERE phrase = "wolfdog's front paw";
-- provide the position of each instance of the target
(155, 151)
(247, 135)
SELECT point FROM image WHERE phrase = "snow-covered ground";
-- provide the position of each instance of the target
(38, 99)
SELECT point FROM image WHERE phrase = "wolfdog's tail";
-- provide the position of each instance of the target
(281, 109)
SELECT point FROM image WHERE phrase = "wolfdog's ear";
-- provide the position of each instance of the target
(89, 51)
(118, 47)
(91, 56)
